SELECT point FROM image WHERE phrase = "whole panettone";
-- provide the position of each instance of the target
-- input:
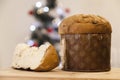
(86, 42)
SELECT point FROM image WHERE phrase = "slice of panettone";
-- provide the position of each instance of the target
(43, 58)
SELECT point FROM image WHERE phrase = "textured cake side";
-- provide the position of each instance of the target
(87, 52)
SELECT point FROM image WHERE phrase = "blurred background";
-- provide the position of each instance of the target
(18, 22)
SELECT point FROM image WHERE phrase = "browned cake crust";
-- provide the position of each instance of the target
(50, 60)
(84, 24)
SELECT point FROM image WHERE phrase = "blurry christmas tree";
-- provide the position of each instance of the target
(48, 15)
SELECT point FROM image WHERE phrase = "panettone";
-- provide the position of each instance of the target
(43, 58)
(86, 43)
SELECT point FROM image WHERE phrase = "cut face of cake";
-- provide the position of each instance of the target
(43, 58)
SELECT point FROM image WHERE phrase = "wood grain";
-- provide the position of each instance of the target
(12, 74)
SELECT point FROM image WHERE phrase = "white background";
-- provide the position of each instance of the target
(15, 22)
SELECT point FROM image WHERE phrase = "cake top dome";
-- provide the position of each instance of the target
(82, 23)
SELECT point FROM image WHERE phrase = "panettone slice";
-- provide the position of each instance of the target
(43, 58)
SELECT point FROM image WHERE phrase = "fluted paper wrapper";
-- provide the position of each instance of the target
(86, 52)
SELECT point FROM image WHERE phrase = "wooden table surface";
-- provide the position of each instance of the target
(12, 74)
